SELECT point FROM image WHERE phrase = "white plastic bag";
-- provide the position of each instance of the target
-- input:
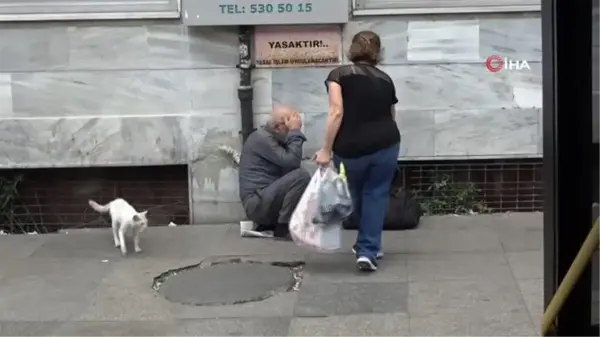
(335, 202)
(302, 228)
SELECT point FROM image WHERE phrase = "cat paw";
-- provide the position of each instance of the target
(138, 250)
(124, 252)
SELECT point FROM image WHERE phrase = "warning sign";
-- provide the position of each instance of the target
(300, 46)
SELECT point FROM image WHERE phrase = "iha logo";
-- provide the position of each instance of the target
(496, 63)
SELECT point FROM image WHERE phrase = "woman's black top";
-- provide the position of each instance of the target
(368, 96)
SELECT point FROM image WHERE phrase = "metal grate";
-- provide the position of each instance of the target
(514, 185)
(54, 199)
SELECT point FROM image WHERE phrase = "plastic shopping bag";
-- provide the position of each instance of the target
(335, 203)
(304, 231)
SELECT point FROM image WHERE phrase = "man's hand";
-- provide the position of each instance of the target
(293, 122)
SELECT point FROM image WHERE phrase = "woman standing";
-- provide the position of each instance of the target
(361, 132)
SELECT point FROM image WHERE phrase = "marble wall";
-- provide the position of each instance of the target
(155, 92)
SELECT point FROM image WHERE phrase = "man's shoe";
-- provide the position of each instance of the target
(283, 238)
(265, 228)
(365, 264)
(379, 255)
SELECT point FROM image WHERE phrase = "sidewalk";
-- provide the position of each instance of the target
(473, 275)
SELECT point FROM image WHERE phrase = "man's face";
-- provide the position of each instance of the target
(279, 126)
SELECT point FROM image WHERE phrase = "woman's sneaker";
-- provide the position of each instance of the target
(379, 255)
(366, 264)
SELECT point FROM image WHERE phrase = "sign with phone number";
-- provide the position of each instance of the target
(263, 12)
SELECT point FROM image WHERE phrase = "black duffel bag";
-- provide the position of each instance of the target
(403, 213)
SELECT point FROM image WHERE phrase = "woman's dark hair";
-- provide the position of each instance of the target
(365, 47)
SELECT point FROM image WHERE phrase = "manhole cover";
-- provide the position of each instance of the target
(226, 283)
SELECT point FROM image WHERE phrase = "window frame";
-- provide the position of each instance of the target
(121, 10)
(356, 11)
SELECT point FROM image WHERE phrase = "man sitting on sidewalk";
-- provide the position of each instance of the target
(271, 179)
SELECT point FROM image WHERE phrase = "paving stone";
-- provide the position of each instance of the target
(126, 294)
(452, 240)
(132, 279)
(351, 325)
(527, 264)
(132, 328)
(533, 295)
(98, 243)
(341, 267)
(227, 283)
(521, 220)
(274, 326)
(457, 266)
(392, 241)
(490, 296)
(461, 222)
(520, 231)
(280, 305)
(268, 327)
(28, 328)
(236, 245)
(458, 283)
(93, 244)
(20, 246)
(471, 323)
(326, 299)
(45, 289)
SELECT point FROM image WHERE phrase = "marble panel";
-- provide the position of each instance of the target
(215, 91)
(450, 86)
(454, 41)
(178, 46)
(31, 47)
(103, 47)
(417, 128)
(102, 93)
(527, 86)
(91, 141)
(302, 88)
(393, 34)
(127, 46)
(487, 133)
(513, 36)
(143, 92)
(6, 106)
(314, 129)
(213, 176)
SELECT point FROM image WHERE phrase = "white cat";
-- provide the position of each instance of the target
(124, 217)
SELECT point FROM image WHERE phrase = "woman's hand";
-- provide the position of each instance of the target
(322, 157)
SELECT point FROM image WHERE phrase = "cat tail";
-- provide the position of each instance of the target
(99, 208)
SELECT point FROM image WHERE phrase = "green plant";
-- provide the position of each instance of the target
(9, 195)
(445, 196)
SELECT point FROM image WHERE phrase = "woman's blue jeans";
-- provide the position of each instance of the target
(369, 180)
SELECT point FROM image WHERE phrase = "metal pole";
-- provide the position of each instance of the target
(245, 90)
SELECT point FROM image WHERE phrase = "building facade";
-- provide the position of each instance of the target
(152, 92)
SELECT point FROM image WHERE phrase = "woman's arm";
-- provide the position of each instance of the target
(334, 116)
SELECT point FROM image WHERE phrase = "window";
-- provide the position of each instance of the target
(390, 7)
(43, 10)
